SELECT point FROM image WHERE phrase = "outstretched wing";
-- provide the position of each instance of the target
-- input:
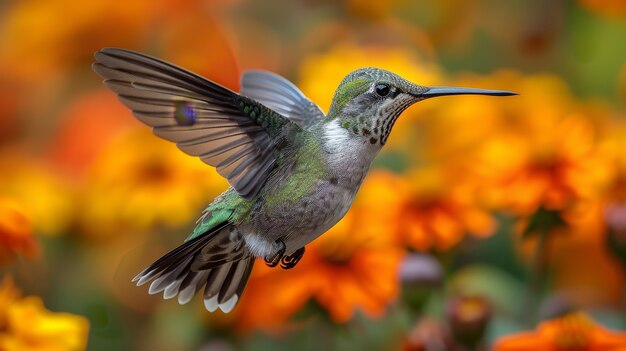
(280, 95)
(237, 135)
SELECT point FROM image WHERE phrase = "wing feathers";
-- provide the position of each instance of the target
(282, 96)
(205, 119)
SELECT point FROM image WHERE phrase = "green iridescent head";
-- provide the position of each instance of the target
(369, 100)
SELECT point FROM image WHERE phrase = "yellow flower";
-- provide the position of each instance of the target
(30, 326)
(572, 332)
(16, 234)
(8, 295)
(140, 180)
(456, 128)
(26, 325)
(46, 198)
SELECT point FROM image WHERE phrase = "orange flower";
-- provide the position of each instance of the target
(87, 125)
(139, 181)
(213, 57)
(613, 147)
(578, 279)
(10, 102)
(16, 234)
(572, 332)
(354, 266)
(614, 216)
(440, 210)
(536, 149)
(553, 166)
(39, 38)
(592, 225)
(587, 222)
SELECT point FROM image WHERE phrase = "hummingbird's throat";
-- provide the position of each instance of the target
(376, 125)
(390, 115)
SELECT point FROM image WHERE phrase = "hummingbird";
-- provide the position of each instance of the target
(293, 170)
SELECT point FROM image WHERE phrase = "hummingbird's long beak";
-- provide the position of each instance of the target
(442, 91)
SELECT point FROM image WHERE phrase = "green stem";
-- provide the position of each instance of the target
(539, 268)
(624, 292)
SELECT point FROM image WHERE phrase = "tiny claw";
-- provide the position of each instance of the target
(288, 262)
(276, 258)
(273, 261)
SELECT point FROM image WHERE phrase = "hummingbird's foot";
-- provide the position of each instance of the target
(290, 261)
(275, 259)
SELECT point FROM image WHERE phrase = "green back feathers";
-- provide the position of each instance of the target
(310, 166)
(229, 206)
(271, 121)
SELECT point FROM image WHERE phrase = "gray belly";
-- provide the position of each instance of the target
(297, 223)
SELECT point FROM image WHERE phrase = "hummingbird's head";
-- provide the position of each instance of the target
(369, 100)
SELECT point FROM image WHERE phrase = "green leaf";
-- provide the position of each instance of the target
(542, 222)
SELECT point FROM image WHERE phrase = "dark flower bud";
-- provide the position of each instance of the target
(468, 317)
(419, 274)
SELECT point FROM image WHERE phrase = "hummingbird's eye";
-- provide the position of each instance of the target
(382, 89)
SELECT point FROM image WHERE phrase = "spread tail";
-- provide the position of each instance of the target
(212, 260)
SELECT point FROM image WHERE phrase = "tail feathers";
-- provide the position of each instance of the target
(179, 272)
(225, 284)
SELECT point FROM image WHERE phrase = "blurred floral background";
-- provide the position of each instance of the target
(485, 223)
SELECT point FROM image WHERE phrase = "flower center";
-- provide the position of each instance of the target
(471, 309)
(573, 333)
(336, 252)
(155, 172)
